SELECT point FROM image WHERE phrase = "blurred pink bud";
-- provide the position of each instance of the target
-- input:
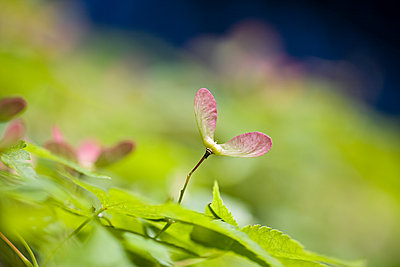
(13, 133)
(9, 107)
(113, 154)
(60, 147)
(57, 135)
(252, 144)
(88, 153)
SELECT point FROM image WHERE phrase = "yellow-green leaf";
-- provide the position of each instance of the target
(218, 209)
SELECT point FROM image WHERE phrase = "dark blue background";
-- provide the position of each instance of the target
(331, 30)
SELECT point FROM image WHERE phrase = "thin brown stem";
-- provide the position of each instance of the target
(206, 155)
(170, 222)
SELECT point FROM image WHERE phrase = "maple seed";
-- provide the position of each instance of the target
(10, 107)
(252, 144)
(246, 145)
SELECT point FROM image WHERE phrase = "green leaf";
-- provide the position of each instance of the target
(179, 236)
(218, 209)
(151, 251)
(214, 239)
(261, 245)
(17, 158)
(8, 179)
(43, 153)
(124, 203)
(289, 251)
(79, 190)
(30, 186)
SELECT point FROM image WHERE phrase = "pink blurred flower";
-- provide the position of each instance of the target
(89, 154)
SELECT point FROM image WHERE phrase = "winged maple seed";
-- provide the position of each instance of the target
(246, 145)
(89, 154)
(11, 107)
(252, 144)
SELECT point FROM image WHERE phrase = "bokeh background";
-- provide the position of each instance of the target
(320, 79)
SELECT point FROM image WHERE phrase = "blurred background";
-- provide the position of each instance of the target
(319, 78)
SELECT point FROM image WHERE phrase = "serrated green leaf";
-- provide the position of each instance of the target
(17, 158)
(288, 250)
(124, 203)
(213, 239)
(44, 153)
(262, 245)
(218, 209)
(124, 210)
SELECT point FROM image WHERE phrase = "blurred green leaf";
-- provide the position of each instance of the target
(148, 249)
(17, 158)
(125, 203)
(43, 153)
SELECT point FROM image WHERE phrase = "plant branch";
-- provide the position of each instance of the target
(15, 249)
(35, 263)
(206, 155)
(170, 222)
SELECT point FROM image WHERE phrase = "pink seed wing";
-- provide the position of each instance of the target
(62, 149)
(115, 153)
(247, 145)
(205, 109)
(88, 152)
(10, 107)
(57, 135)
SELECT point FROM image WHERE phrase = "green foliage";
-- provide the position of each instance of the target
(43, 153)
(133, 222)
(288, 250)
(332, 175)
(17, 158)
(218, 209)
